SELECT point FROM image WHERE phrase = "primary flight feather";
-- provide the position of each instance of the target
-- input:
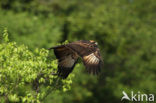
(68, 55)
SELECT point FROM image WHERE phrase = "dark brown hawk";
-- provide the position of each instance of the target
(68, 55)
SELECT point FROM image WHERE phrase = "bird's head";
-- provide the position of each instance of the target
(93, 42)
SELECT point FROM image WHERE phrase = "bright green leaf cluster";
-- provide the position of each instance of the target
(26, 76)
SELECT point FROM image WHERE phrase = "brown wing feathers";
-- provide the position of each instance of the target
(66, 66)
(80, 48)
(92, 63)
(90, 55)
(68, 54)
(66, 60)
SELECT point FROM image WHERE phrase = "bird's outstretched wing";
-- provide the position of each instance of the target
(66, 60)
(93, 62)
(89, 53)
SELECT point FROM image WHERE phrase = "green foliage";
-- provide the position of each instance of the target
(26, 76)
(126, 36)
(31, 30)
(124, 29)
(5, 36)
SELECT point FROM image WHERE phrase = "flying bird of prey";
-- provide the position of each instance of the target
(68, 55)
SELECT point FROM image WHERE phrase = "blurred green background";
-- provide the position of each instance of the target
(124, 29)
